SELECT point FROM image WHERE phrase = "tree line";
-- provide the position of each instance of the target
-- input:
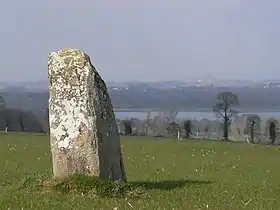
(19, 120)
(225, 107)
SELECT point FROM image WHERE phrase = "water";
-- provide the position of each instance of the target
(187, 115)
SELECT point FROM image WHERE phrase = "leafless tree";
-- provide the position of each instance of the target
(252, 125)
(127, 127)
(187, 128)
(148, 121)
(159, 125)
(224, 109)
(169, 115)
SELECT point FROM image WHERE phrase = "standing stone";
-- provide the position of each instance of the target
(83, 130)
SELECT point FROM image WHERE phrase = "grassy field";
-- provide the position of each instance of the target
(176, 175)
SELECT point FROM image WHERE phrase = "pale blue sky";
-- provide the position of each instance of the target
(144, 40)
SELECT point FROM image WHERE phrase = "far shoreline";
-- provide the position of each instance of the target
(244, 110)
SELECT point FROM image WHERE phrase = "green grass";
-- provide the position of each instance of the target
(174, 175)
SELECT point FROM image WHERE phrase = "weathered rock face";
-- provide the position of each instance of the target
(83, 131)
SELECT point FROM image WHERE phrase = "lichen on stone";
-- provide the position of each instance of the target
(83, 130)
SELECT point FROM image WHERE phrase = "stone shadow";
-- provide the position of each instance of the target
(168, 184)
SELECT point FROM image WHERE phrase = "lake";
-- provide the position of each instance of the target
(187, 115)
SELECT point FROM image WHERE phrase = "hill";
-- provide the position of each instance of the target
(175, 175)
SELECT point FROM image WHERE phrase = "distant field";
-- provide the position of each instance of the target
(177, 174)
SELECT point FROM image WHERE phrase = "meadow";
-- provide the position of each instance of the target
(188, 174)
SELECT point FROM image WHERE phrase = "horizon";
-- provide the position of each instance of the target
(156, 81)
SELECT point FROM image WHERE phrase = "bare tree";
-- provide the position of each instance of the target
(187, 128)
(253, 125)
(159, 125)
(252, 131)
(272, 132)
(148, 121)
(173, 128)
(224, 109)
(170, 115)
(127, 127)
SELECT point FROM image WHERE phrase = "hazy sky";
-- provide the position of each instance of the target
(144, 39)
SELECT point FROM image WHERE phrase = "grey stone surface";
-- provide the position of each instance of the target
(83, 131)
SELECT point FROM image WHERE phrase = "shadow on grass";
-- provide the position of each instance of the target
(168, 184)
(95, 186)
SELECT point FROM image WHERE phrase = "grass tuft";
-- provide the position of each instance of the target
(94, 186)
